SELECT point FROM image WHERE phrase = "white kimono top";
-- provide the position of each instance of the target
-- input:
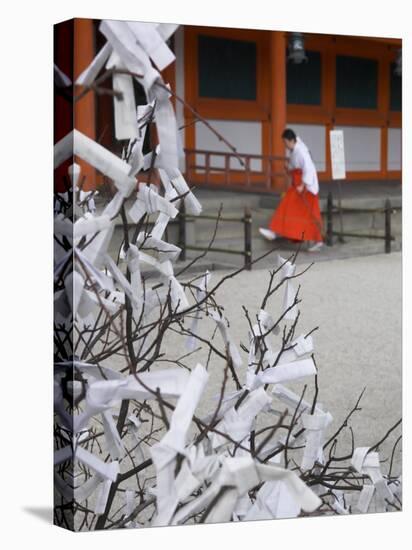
(301, 158)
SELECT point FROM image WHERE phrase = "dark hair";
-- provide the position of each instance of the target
(289, 134)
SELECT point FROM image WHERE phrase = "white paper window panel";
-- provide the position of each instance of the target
(314, 137)
(362, 148)
(394, 149)
(246, 136)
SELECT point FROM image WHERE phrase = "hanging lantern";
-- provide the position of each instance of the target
(296, 48)
(398, 63)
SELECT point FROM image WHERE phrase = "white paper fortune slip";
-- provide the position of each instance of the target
(192, 205)
(132, 55)
(229, 343)
(315, 426)
(125, 119)
(149, 201)
(76, 143)
(136, 283)
(166, 129)
(61, 79)
(201, 291)
(237, 423)
(152, 42)
(164, 453)
(288, 270)
(366, 462)
(88, 76)
(284, 372)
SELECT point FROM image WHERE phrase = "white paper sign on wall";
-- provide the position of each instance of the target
(337, 155)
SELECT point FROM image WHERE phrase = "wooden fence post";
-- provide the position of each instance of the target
(247, 223)
(388, 236)
(182, 232)
(329, 220)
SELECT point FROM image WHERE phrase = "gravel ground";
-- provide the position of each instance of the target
(357, 305)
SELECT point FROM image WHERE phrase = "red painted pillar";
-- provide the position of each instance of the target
(84, 109)
(278, 102)
(63, 106)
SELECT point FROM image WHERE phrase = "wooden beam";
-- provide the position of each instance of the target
(389, 41)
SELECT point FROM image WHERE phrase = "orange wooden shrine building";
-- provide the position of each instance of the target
(242, 83)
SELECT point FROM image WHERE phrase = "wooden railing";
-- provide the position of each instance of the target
(387, 210)
(250, 178)
(245, 220)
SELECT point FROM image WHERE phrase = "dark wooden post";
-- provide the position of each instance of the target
(329, 220)
(227, 168)
(182, 232)
(247, 168)
(388, 236)
(188, 160)
(247, 224)
(207, 159)
(269, 173)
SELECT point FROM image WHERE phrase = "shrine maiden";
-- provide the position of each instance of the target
(298, 214)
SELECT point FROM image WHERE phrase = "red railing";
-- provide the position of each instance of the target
(252, 177)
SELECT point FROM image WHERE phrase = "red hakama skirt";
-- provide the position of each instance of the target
(298, 214)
